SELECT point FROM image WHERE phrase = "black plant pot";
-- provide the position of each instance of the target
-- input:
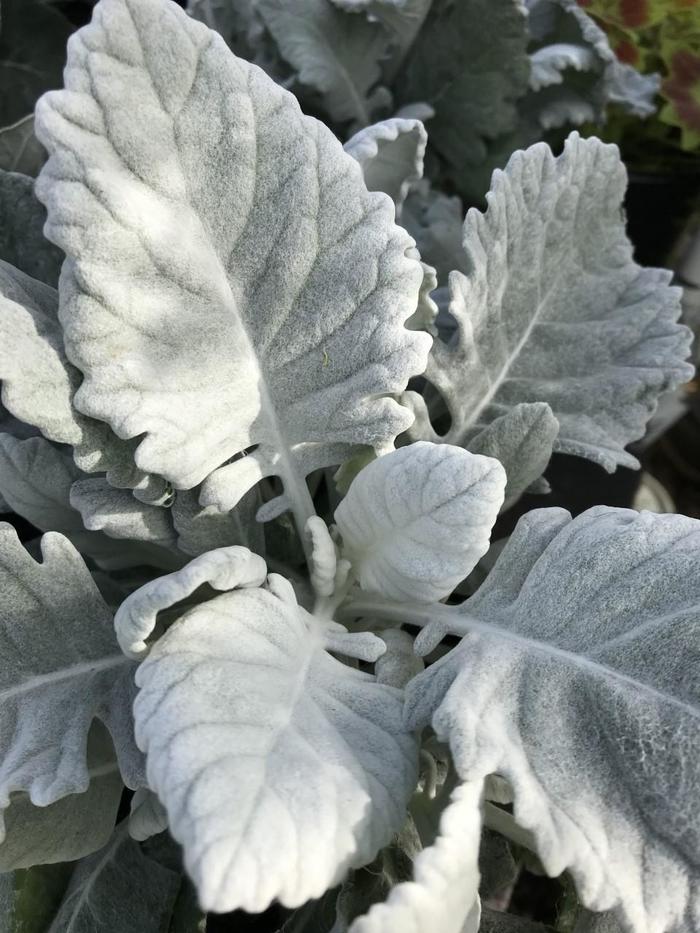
(658, 206)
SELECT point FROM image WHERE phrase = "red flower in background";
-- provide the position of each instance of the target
(682, 88)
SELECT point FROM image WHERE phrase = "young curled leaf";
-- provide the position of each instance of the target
(223, 569)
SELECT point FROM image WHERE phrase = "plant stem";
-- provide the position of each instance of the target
(410, 613)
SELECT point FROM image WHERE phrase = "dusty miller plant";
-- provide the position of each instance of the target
(251, 604)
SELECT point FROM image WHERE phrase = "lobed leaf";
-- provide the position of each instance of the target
(590, 628)
(444, 893)
(72, 827)
(469, 63)
(36, 481)
(62, 669)
(336, 54)
(554, 309)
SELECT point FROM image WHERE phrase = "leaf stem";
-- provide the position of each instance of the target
(409, 613)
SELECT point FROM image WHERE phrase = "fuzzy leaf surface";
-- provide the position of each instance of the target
(38, 381)
(522, 439)
(416, 521)
(280, 767)
(554, 309)
(590, 628)
(391, 155)
(61, 670)
(282, 284)
(469, 63)
(118, 889)
(333, 52)
(444, 892)
(36, 479)
(74, 826)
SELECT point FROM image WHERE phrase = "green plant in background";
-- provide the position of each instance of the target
(661, 36)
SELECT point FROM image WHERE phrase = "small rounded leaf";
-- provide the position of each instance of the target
(416, 521)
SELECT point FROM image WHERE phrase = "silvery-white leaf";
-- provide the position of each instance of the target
(74, 826)
(332, 51)
(61, 669)
(323, 565)
(147, 816)
(444, 893)
(403, 22)
(39, 382)
(118, 514)
(591, 630)
(35, 481)
(554, 309)
(604, 79)
(22, 242)
(415, 522)
(522, 439)
(287, 261)
(417, 111)
(223, 569)
(630, 89)
(561, 106)
(20, 150)
(118, 889)
(36, 477)
(469, 61)
(435, 221)
(548, 63)
(425, 315)
(200, 529)
(280, 767)
(622, 84)
(391, 155)
(399, 663)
